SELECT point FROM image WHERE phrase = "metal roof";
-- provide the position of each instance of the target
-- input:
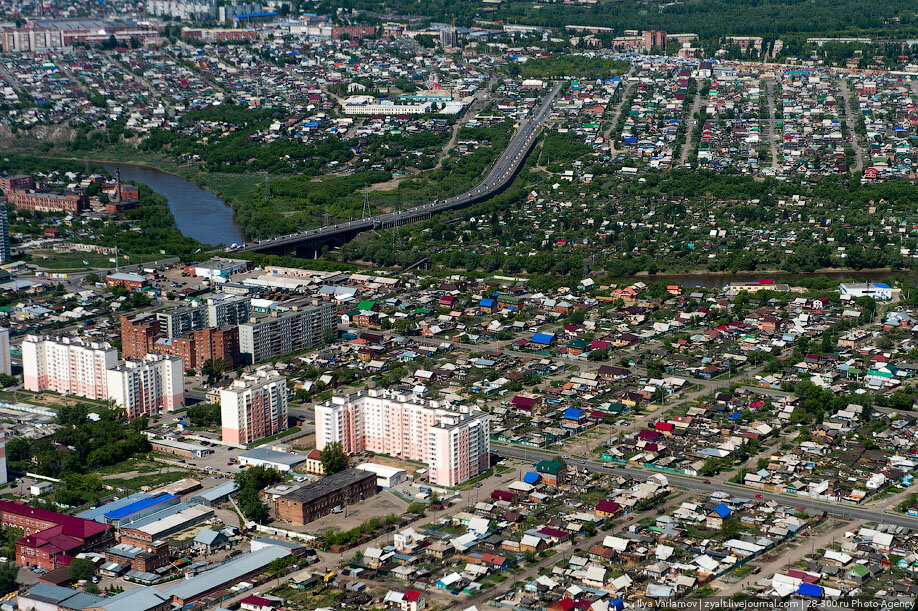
(226, 573)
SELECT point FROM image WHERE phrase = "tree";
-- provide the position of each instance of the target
(81, 568)
(8, 573)
(416, 508)
(333, 458)
(213, 369)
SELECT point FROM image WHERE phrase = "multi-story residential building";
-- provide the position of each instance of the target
(225, 309)
(67, 365)
(179, 321)
(183, 9)
(217, 343)
(5, 252)
(6, 365)
(452, 440)
(18, 182)
(148, 386)
(254, 406)
(280, 333)
(139, 333)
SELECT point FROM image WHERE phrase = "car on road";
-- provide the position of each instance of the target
(707, 481)
(759, 496)
(581, 461)
(478, 484)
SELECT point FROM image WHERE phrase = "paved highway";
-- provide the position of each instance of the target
(497, 179)
(811, 506)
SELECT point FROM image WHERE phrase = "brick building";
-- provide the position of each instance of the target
(317, 499)
(131, 282)
(218, 343)
(146, 558)
(20, 182)
(143, 334)
(353, 31)
(52, 539)
(73, 203)
(139, 333)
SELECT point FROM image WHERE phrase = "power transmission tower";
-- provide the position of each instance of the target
(396, 235)
(366, 202)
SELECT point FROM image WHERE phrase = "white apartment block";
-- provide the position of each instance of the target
(147, 386)
(6, 365)
(254, 406)
(68, 365)
(452, 440)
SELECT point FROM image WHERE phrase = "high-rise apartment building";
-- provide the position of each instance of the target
(254, 406)
(5, 252)
(654, 39)
(148, 386)
(452, 440)
(224, 309)
(6, 365)
(277, 334)
(179, 321)
(139, 333)
(67, 365)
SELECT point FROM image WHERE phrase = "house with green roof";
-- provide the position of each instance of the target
(552, 471)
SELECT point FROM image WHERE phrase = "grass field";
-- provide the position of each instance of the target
(152, 480)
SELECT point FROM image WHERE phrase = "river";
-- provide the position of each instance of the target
(198, 213)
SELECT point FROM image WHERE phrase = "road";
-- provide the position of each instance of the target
(850, 112)
(497, 179)
(772, 141)
(690, 122)
(626, 86)
(840, 510)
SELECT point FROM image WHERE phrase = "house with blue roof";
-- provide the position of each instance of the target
(716, 516)
(488, 304)
(544, 339)
(572, 415)
(810, 590)
(532, 478)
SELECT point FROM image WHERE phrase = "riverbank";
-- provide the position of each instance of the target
(199, 214)
(199, 211)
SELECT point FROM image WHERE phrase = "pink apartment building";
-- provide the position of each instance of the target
(453, 441)
(68, 365)
(254, 406)
(148, 386)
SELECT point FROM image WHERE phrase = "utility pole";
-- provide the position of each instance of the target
(366, 202)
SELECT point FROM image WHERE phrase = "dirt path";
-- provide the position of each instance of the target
(850, 112)
(772, 139)
(690, 125)
(786, 555)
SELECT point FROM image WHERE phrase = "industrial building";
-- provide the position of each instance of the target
(319, 498)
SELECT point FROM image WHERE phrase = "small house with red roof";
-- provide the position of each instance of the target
(555, 535)
(257, 603)
(526, 404)
(606, 508)
(413, 600)
(664, 427)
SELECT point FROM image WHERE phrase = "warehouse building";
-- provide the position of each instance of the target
(318, 499)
